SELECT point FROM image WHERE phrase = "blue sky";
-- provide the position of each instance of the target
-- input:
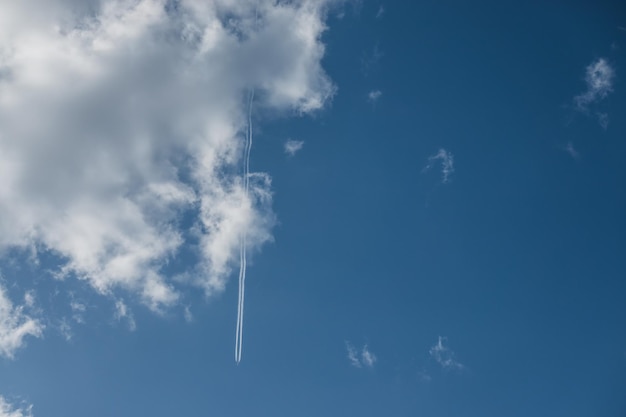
(434, 224)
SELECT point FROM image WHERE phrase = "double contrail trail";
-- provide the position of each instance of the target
(242, 242)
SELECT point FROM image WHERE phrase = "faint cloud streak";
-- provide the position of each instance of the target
(424, 377)
(370, 61)
(122, 312)
(381, 12)
(569, 148)
(187, 314)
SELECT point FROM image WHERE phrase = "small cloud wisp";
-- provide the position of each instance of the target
(381, 12)
(447, 164)
(599, 77)
(293, 146)
(374, 95)
(15, 325)
(444, 356)
(359, 359)
(569, 148)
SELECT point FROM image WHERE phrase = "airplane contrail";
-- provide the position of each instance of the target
(237, 333)
(243, 243)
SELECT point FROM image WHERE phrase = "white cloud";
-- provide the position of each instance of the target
(374, 95)
(293, 146)
(424, 377)
(77, 311)
(367, 357)
(187, 314)
(603, 119)
(353, 355)
(364, 357)
(65, 329)
(599, 77)
(118, 118)
(15, 325)
(447, 164)
(444, 356)
(9, 410)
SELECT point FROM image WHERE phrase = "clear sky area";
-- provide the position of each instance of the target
(311, 208)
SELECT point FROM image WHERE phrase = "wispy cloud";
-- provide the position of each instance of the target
(358, 359)
(374, 95)
(15, 325)
(599, 77)
(78, 309)
(603, 119)
(65, 329)
(370, 60)
(353, 355)
(447, 164)
(122, 312)
(381, 12)
(293, 146)
(10, 410)
(367, 357)
(569, 148)
(424, 376)
(444, 356)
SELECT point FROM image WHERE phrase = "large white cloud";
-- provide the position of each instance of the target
(119, 117)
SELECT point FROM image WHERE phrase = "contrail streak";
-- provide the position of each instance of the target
(242, 244)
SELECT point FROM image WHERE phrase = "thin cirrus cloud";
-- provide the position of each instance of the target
(293, 146)
(360, 358)
(7, 409)
(444, 356)
(447, 164)
(140, 119)
(599, 78)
